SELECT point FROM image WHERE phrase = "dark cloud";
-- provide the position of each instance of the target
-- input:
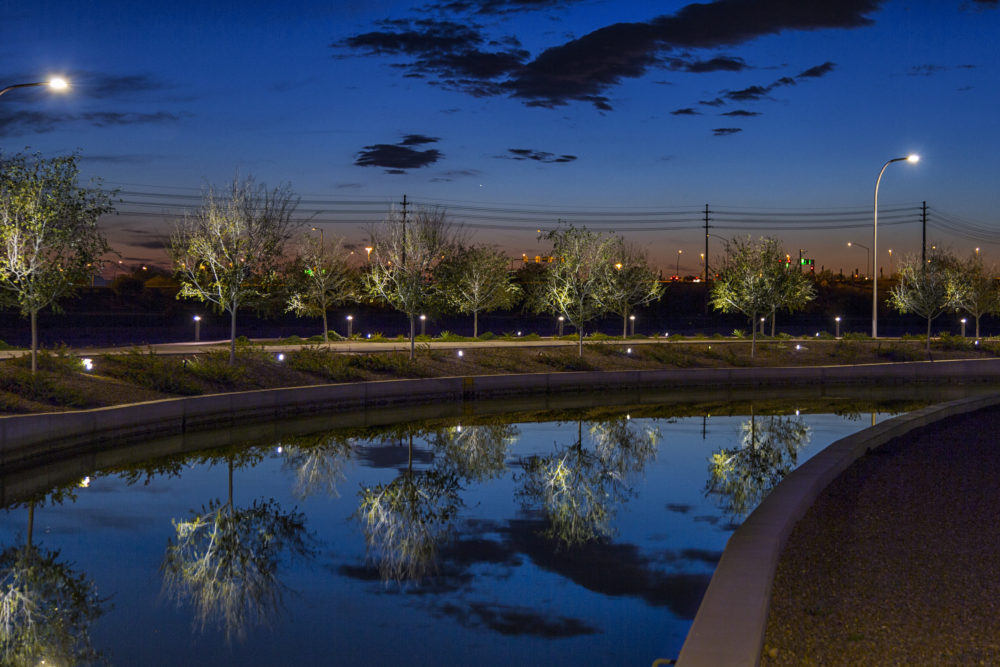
(817, 71)
(718, 64)
(726, 131)
(517, 621)
(687, 111)
(741, 113)
(159, 244)
(459, 56)
(717, 102)
(987, 3)
(748, 94)
(27, 122)
(498, 6)
(397, 158)
(537, 156)
(925, 70)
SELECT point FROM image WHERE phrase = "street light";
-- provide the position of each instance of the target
(837, 320)
(677, 272)
(423, 324)
(963, 327)
(908, 158)
(197, 328)
(561, 320)
(350, 323)
(868, 253)
(317, 229)
(631, 321)
(55, 83)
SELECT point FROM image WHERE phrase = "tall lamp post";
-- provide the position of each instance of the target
(677, 269)
(908, 158)
(55, 83)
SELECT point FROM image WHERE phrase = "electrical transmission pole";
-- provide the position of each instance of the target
(923, 218)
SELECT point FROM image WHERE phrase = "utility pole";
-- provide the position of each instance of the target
(404, 204)
(706, 242)
(923, 218)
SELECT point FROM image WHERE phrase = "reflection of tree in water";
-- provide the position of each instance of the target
(579, 488)
(46, 608)
(405, 520)
(769, 448)
(225, 562)
(477, 452)
(318, 462)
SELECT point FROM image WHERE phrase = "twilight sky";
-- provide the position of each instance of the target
(516, 114)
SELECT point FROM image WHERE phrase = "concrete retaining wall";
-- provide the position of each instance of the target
(27, 439)
(730, 624)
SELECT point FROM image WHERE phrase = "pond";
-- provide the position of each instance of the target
(583, 537)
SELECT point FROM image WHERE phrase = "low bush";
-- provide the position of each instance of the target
(60, 361)
(948, 341)
(150, 370)
(214, 367)
(488, 335)
(856, 335)
(900, 352)
(387, 363)
(322, 362)
(40, 388)
(564, 362)
(670, 355)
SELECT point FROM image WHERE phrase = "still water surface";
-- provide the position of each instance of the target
(583, 541)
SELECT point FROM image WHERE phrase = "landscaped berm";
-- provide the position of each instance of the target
(139, 374)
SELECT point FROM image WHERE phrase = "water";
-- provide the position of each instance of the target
(582, 541)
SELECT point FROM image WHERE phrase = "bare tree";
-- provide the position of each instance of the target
(228, 251)
(406, 251)
(926, 288)
(320, 278)
(630, 282)
(476, 280)
(49, 240)
(576, 282)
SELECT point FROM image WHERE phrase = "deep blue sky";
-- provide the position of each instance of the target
(513, 114)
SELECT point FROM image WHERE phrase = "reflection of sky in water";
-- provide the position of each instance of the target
(501, 596)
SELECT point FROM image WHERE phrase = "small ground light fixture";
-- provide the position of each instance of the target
(461, 354)
(88, 364)
(281, 356)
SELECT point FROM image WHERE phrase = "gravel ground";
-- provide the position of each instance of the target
(898, 561)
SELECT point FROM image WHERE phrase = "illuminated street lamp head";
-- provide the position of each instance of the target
(913, 158)
(58, 83)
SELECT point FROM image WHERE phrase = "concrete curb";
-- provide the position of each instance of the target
(29, 439)
(730, 624)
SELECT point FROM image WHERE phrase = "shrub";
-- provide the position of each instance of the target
(856, 335)
(564, 362)
(60, 361)
(214, 367)
(322, 362)
(846, 350)
(947, 341)
(394, 363)
(39, 388)
(900, 352)
(488, 335)
(671, 355)
(153, 371)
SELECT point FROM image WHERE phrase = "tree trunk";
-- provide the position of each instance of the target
(413, 337)
(34, 341)
(753, 337)
(580, 352)
(232, 337)
(773, 318)
(475, 324)
(977, 326)
(929, 340)
(326, 329)
(624, 327)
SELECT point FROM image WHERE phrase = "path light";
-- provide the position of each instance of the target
(628, 350)
(88, 364)
(631, 321)
(461, 354)
(837, 320)
(350, 322)
(963, 327)
(911, 159)
(281, 356)
(423, 324)
(561, 320)
(197, 328)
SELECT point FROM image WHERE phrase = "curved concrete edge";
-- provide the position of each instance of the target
(732, 618)
(35, 437)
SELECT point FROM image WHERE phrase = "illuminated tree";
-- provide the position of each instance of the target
(926, 288)
(46, 608)
(228, 252)
(320, 278)
(476, 452)
(579, 487)
(405, 520)
(318, 465)
(768, 450)
(975, 290)
(630, 282)
(406, 251)
(224, 562)
(477, 280)
(49, 240)
(576, 281)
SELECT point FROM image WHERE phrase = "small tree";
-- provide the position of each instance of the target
(974, 289)
(477, 280)
(405, 254)
(750, 281)
(49, 240)
(229, 250)
(576, 282)
(319, 279)
(630, 282)
(926, 288)
(794, 291)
